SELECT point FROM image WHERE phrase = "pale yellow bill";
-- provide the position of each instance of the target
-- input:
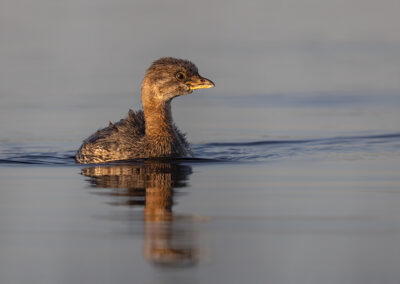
(203, 83)
(201, 87)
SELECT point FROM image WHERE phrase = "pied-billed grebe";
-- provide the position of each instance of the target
(151, 132)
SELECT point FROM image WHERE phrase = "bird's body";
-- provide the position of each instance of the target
(126, 139)
(151, 132)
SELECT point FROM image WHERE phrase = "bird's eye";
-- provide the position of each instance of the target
(180, 76)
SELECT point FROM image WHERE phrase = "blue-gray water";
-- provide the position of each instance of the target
(296, 175)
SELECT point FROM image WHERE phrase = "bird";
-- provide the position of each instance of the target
(151, 132)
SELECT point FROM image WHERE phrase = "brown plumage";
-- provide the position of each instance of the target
(151, 132)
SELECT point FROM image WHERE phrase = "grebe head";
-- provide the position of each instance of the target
(170, 77)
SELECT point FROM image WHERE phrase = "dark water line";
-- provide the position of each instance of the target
(281, 142)
(255, 143)
(228, 151)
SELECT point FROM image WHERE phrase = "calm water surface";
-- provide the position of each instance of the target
(296, 176)
(284, 209)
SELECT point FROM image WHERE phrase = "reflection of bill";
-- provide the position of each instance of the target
(167, 237)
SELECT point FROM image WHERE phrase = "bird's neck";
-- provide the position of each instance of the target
(157, 116)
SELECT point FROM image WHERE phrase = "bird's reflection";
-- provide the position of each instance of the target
(168, 238)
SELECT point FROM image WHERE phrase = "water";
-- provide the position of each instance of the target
(315, 210)
(297, 150)
(352, 147)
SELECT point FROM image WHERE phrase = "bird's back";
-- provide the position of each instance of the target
(125, 140)
(119, 141)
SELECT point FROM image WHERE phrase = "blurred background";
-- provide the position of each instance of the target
(287, 207)
(68, 67)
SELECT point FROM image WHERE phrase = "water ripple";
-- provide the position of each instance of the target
(263, 150)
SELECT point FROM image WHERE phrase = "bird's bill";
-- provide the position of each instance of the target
(200, 83)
